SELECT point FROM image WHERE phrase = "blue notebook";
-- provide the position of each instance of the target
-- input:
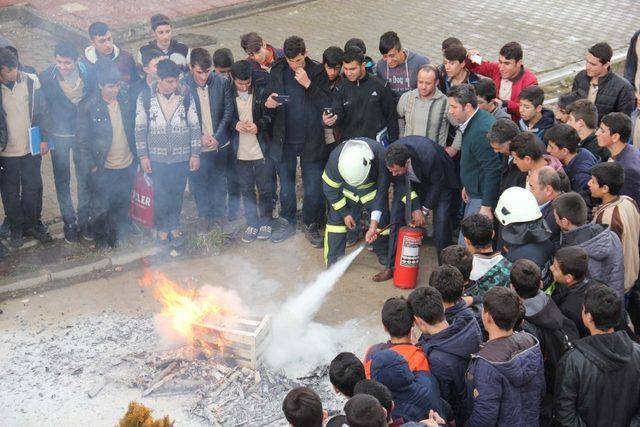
(34, 140)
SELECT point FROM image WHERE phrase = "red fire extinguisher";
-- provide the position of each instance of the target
(405, 275)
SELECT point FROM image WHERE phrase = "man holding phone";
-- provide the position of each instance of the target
(295, 103)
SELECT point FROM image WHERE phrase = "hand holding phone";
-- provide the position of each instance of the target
(282, 99)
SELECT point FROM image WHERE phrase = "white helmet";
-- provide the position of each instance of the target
(517, 204)
(354, 162)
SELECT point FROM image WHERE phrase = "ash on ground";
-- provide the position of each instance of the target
(89, 370)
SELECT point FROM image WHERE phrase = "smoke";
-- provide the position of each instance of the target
(297, 344)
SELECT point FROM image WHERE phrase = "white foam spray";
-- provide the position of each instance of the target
(297, 344)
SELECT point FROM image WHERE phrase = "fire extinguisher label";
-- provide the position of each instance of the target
(410, 251)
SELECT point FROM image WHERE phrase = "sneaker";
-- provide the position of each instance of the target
(353, 236)
(283, 231)
(86, 233)
(70, 233)
(312, 233)
(250, 234)
(5, 230)
(40, 233)
(264, 233)
(16, 239)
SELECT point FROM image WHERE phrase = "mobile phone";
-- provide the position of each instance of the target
(328, 111)
(476, 58)
(282, 99)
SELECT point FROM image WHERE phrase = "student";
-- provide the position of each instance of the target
(618, 212)
(507, 374)
(364, 410)
(64, 85)
(606, 260)
(369, 63)
(168, 142)
(562, 108)
(534, 117)
(456, 71)
(397, 321)
(260, 53)
(162, 32)
(563, 143)
(448, 345)
(448, 280)
(599, 381)
(382, 394)
(302, 407)
(150, 61)
(222, 61)
(583, 117)
(486, 92)
(502, 132)
(528, 154)
(345, 371)
(102, 46)
(332, 62)
(459, 257)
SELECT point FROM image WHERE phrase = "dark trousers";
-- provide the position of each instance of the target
(111, 190)
(233, 186)
(169, 182)
(21, 190)
(61, 161)
(254, 174)
(209, 184)
(313, 197)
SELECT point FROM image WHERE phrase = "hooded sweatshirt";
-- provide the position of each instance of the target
(403, 77)
(546, 121)
(507, 382)
(123, 59)
(449, 353)
(528, 240)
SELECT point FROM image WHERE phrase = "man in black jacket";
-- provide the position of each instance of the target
(607, 90)
(598, 382)
(107, 145)
(163, 39)
(298, 132)
(363, 105)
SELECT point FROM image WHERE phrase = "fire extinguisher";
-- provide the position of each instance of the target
(405, 275)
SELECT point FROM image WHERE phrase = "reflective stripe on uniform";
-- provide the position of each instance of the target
(329, 181)
(414, 195)
(368, 197)
(350, 195)
(365, 186)
(339, 204)
(336, 228)
(331, 229)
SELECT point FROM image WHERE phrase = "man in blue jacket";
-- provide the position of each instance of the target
(563, 143)
(507, 375)
(448, 347)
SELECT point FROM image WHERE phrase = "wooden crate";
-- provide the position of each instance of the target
(243, 339)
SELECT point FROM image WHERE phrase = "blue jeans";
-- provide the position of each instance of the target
(169, 182)
(61, 161)
(209, 184)
(472, 207)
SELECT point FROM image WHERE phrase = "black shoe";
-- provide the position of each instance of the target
(86, 233)
(353, 236)
(5, 230)
(16, 239)
(283, 229)
(70, 233)
(40, 233)
(312, 233)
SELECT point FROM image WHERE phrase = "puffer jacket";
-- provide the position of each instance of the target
(579, 169)
(506, 379)
(615, 94)
(414, 393)
(449, 354)
(530, 240)
(606, 261)
(599, 383)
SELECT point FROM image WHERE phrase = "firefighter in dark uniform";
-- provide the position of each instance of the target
(355, 177)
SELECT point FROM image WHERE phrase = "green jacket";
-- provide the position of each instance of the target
(480, 166)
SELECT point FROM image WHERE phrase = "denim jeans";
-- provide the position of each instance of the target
(252, 175)
(61, 161)
(209, 184)
(169, 182)
(111, 200)
(21, 190)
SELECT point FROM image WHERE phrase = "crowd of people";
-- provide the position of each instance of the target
(529, 319)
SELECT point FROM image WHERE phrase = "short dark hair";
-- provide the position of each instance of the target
(353, 54)
(356, 42)
(456, 52)
(533, 94)
(525, 144)
(150, 54)
(573, 260)
(97, 29)
(604, 306)
(345, 370)
(302, 408)
(222, 58)
(200, 57)
(397, 155)
(66, 49)
(618, 123)
(448, 281)
(567, 99)
(8, 58)
(464, 94)
(450, 41)
(459, 257)
(377, 390)
(364, 410)
(602, 51)
(572, 207)
(511, 50)
(332, 56)
(563, 136)
(388, 41)
(565, 182)
(585, 110)
(167, 68)
(426, 303)
(396, 317)
(549, 176)
(158, 20)
(525, 278)
(251, 42)
(610, 174)
(478, 229)
(502, 130)
(485, 89)
(294, 46)
(503, 305)
(241, 70)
